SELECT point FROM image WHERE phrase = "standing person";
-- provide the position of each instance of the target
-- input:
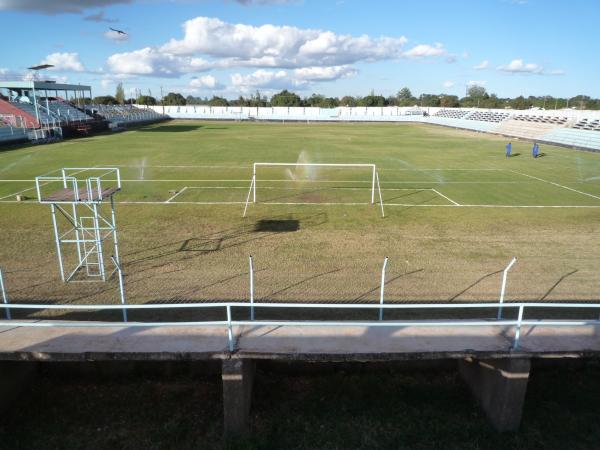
(508, 149)
(534, 150)
(537, 149)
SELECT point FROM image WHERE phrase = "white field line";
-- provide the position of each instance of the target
(176, 194)
(250, 167)
(132, 202)
(447, 198)
(556, 184)
(33, 188)
(298, 181)
(298, 189)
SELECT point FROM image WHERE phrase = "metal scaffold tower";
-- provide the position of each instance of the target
(83, 218)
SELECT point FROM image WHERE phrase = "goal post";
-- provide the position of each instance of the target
(372, 169)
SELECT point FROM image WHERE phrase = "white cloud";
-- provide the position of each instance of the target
(518, 66)
(149, 61)
(482, 65)
(66, 62)
(448, 84)
(324, 73)
(262, 79)
(278, 46)
(477, 83)
(282, 79)
(424, 50)
(115, 36)
(557, 72)
(226, 45)
(205, 82)
(56, 6)
(106, 83)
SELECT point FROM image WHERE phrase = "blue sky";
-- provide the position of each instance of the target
(332, 47)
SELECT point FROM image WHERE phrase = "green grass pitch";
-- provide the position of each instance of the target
(456, 212)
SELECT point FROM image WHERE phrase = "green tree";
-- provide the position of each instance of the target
(449, 101)
(120, 94)
(105, 100)
(476, 92)
(218, 101)
(286, 98)
(348, 100)
(174, 99)
(146, 100)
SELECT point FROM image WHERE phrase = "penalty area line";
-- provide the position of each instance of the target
(176, 194)
(447, 198)
(556, 184)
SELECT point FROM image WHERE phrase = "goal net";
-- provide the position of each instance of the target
(314, 184)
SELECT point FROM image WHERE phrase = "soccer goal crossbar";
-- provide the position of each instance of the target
(251, 198)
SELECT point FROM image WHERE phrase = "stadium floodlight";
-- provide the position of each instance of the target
(373, 179)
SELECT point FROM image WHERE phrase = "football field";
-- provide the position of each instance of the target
(456, 212)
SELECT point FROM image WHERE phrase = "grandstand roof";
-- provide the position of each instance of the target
(36, 84)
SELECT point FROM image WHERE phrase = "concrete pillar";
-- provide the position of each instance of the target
(499, 385)
(238, 377)
(15, 378)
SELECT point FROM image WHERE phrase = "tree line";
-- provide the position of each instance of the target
(476, 96)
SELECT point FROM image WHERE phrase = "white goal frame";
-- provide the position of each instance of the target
(374, 181)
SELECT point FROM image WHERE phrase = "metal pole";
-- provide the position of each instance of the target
(229, 330)
(57, 239)
(373, 187)
(254, 180)
(248, 197)
(4, 296)
(382, 286)
(518, 330)
(121, 286)
(380, 198)
(98, 238)
(503, 289)
(251, 287)
(114, 229)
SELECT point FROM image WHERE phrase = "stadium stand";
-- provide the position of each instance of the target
(123, 115)
(487, 116)
(452, 113)
(541, 119)
(9, 134)
(574, 138)
(588, 124)
(528, 129)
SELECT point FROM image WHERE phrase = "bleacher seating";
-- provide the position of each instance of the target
(452, 113)
(122, 115)
(557, 120)
(66, 112)
(10, 134)
(588, 124)
(488, 116)
(573, 137)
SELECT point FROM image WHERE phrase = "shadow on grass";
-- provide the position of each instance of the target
(171, 128)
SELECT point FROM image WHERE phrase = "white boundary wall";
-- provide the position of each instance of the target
(343, 113)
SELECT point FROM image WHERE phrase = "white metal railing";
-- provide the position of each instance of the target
(92, 184)
(517, 323)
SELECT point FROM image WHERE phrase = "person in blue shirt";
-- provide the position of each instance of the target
(508, 149)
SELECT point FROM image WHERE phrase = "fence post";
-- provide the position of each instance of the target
(518, 330)
(503, 288)
(4, 296)
(229, 328)
(251, 287)
(121, 286)
(382, 287)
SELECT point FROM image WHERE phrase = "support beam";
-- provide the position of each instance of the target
(15, 379)
(499, 385)
(238, 378)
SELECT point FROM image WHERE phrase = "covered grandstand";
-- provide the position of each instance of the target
(43, 111)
